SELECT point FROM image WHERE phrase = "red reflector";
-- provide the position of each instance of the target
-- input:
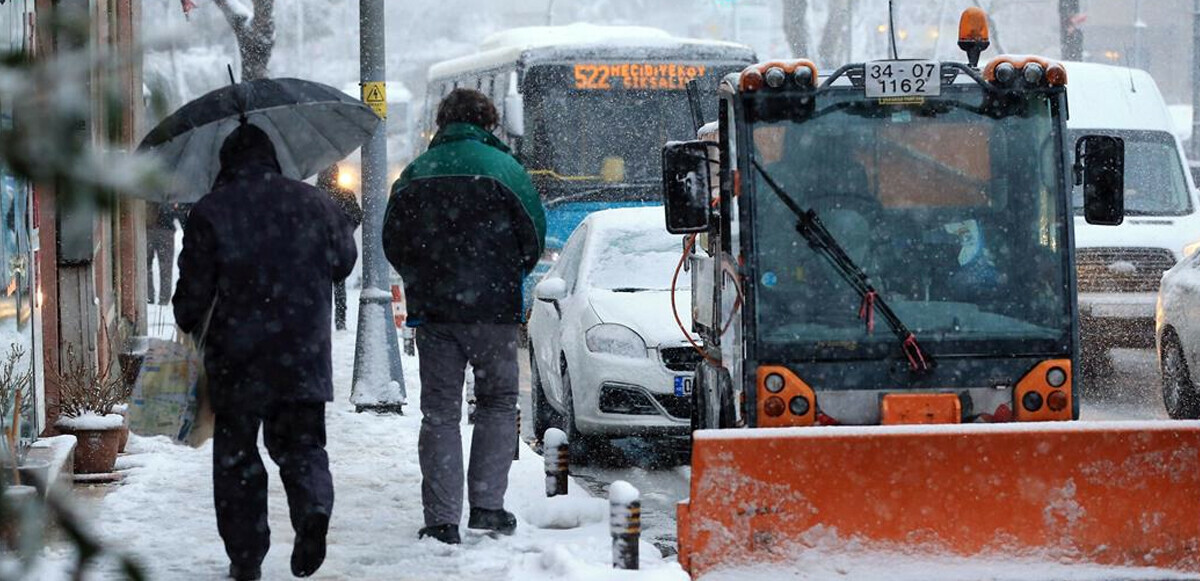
(1057, 401)
(774, 406)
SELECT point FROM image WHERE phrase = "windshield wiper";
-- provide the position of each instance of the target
(820, 239)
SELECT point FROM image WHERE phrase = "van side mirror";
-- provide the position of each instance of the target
(1100, 169)
(685, 186)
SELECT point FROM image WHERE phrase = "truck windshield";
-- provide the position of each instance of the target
(955, 215)
(1154, 180)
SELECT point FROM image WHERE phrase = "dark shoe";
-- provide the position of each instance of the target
(245, 572)
(445, 533)
(498, 520)
(309, 550)
(471, 411)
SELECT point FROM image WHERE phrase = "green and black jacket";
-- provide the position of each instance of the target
(464, 226)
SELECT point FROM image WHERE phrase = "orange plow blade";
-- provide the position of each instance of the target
(1111, 493)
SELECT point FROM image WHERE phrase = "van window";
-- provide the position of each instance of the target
(1154, 180)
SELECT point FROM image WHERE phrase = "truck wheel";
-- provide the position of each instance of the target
(544, 416)
(1178, 391)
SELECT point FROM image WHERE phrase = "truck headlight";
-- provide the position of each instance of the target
(615, 340)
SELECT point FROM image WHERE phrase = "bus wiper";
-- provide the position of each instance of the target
(820, 239)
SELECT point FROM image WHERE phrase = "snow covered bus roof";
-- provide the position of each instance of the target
(586, 41)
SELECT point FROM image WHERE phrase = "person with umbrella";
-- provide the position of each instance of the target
(261, 250)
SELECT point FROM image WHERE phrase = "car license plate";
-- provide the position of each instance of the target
(683, 385)
(910, 78)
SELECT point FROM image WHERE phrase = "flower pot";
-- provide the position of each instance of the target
(96, 450)
(97, 440)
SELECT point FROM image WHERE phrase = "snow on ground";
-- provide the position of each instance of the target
(163, 515)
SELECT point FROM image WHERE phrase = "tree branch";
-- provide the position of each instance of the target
(237, 19)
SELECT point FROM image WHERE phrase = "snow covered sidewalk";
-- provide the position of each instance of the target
(162, 514)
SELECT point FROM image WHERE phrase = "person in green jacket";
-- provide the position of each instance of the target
(464, 227)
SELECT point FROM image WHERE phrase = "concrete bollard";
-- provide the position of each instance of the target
(625, 522)
(558, 459)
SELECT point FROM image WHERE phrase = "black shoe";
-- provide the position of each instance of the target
(308, 552)
(498, 520)
(445, 533)
(245, 572)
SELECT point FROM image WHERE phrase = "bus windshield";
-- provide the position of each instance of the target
(601, 127)
(956, 216)
(609, 136)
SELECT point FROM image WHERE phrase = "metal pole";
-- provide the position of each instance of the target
(1138, 25)
(1194, 144)
(378, 375)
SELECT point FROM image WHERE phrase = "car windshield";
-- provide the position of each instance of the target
(636, 259)
(954, 215)
(1154, 181)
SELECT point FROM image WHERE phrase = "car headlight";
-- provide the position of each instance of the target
(1191, 249)
(615, 340)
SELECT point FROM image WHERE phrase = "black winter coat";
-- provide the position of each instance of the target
(268, 249)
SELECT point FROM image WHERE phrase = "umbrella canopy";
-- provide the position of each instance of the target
(312, 126)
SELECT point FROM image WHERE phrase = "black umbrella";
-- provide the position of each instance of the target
(312, 125)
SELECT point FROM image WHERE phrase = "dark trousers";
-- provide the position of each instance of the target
(295, 439)
(444, 350)
(339, 304)
(160, 244)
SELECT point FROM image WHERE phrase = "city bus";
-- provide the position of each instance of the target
(586, 109)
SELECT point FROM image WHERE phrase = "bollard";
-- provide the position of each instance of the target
(558, 460)
(517, 449)
(625, 522)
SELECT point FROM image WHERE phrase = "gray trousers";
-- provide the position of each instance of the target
(444, 350)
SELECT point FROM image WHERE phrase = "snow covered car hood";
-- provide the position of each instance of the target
(646, 312)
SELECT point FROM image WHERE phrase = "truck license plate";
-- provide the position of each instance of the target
(683, 385)
(909, 78)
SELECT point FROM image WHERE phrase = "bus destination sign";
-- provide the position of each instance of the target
(644, 76)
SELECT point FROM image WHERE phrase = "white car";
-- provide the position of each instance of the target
(608, 357)
(1177, 328)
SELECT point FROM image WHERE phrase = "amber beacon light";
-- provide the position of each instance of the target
(973, 34)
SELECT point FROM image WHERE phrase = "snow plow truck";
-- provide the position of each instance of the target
(884, 292)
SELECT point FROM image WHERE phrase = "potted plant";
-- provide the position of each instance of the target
(87, 397)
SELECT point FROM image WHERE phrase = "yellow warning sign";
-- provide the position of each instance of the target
(375, 96)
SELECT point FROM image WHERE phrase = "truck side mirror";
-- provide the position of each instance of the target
(685, 186)
(1100, 169)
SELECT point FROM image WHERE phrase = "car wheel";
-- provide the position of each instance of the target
(1178, 392)
(544, 416)
(580, 445)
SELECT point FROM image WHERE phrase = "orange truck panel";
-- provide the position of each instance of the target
(1118, 493)
(920, 408)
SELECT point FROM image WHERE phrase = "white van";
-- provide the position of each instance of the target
(1119, 268)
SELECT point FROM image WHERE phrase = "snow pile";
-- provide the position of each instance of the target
(90, 421)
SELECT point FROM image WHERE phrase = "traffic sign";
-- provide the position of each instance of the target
(375, 96)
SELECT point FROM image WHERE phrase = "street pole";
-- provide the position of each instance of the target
(1194, 143)
(378, 374)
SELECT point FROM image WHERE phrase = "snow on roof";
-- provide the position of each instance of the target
(1110, 97)
(396, 91)
(508, 45)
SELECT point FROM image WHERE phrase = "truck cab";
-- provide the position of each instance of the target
(894, 229)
